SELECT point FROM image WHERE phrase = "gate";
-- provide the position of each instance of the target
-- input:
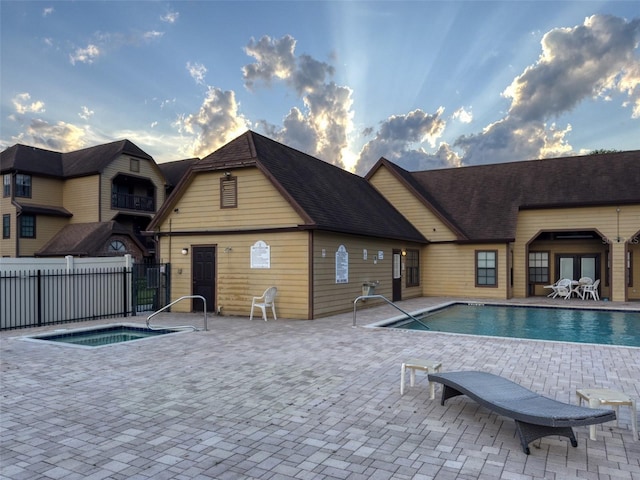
(151, 286)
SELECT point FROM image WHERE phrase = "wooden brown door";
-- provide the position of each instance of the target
(204, 275)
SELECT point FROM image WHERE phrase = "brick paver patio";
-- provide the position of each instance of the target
(292, 399)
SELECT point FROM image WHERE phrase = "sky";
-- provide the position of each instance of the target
(425, 84)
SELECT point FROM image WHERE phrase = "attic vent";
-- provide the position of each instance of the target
(229, 192)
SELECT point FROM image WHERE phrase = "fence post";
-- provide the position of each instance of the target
(39, 297)
(125, 308)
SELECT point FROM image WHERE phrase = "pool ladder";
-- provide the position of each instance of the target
(364, 297)
(204, 301)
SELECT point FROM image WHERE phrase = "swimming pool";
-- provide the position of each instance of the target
(101, 336)
(606, 327)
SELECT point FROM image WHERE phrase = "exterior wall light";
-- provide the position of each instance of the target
(185, 251)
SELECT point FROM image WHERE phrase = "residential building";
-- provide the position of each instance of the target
(508, 229)
(90, 202)
(257, 213)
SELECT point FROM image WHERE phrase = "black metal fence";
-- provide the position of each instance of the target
(44, 297)
(151, 286)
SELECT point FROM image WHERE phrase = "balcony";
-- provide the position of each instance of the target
(141, 203)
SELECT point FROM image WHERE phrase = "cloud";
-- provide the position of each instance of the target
(152, 35)
(322, 124)
(170, 17)
(216, 123)
(592, 60)
(103, 42)
(274, 59)
(60, 137)
(197, 72)
(576, 63)
(85, 113)
(508, 140)
(462, 115)
(22, 103)
(47, 11)
(85, 55)
(399, 139)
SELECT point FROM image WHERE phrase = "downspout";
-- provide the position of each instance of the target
(18, 211)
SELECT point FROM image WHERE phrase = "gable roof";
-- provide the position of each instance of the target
(95, 159)
(26, 159)
(325, 196)
(174, 171)
(84, 239)
(482, 202)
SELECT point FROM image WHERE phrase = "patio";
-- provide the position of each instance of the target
(297, 400)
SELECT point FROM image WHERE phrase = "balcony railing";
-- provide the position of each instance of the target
(132, 202)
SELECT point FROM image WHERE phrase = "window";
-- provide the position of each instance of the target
(6, 226)
(27, 226)
(23, 185)
(117, 247)
(134, 164)
(412, 268)
(6, 185)
(228, 192)
(539, 267)
(486, 268)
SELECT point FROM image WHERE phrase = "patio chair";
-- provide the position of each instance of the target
(553, 288)
(578, 288)
(591, 290)
(265, 301)
(562, 289)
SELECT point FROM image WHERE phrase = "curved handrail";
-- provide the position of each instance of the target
(204, 301)
(362, 297)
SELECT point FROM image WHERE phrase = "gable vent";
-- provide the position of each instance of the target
(229, 192)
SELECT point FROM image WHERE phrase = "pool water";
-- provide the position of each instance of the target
(607, 327)
(98, 337)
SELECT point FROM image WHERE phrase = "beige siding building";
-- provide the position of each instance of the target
(511, 229)
(320, 234)
(256, 214)
(91, 202)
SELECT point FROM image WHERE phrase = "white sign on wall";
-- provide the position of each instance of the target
(260, 255)
(342, 265)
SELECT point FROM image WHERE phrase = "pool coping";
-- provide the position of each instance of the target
(42, 337)
(382, 324)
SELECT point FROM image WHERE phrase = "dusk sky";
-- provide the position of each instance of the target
(425, 84)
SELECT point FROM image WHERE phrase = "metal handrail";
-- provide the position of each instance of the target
(204, 301)
(362, 297)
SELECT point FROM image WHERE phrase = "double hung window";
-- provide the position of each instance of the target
(27, 226)
(486, 268)
(23, 185)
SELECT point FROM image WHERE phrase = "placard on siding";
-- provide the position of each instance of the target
(260, 255)
(342, 265)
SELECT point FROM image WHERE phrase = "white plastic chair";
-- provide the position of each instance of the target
(591, 290)
(562, 288)
(579, 289)
(265, 301)
(553, 289)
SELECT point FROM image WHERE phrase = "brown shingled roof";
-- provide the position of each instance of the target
(90, 160)
(325, 196)
(84, 239)
(43, 210)
(174, 171)
(483, 201)
(27, 159)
